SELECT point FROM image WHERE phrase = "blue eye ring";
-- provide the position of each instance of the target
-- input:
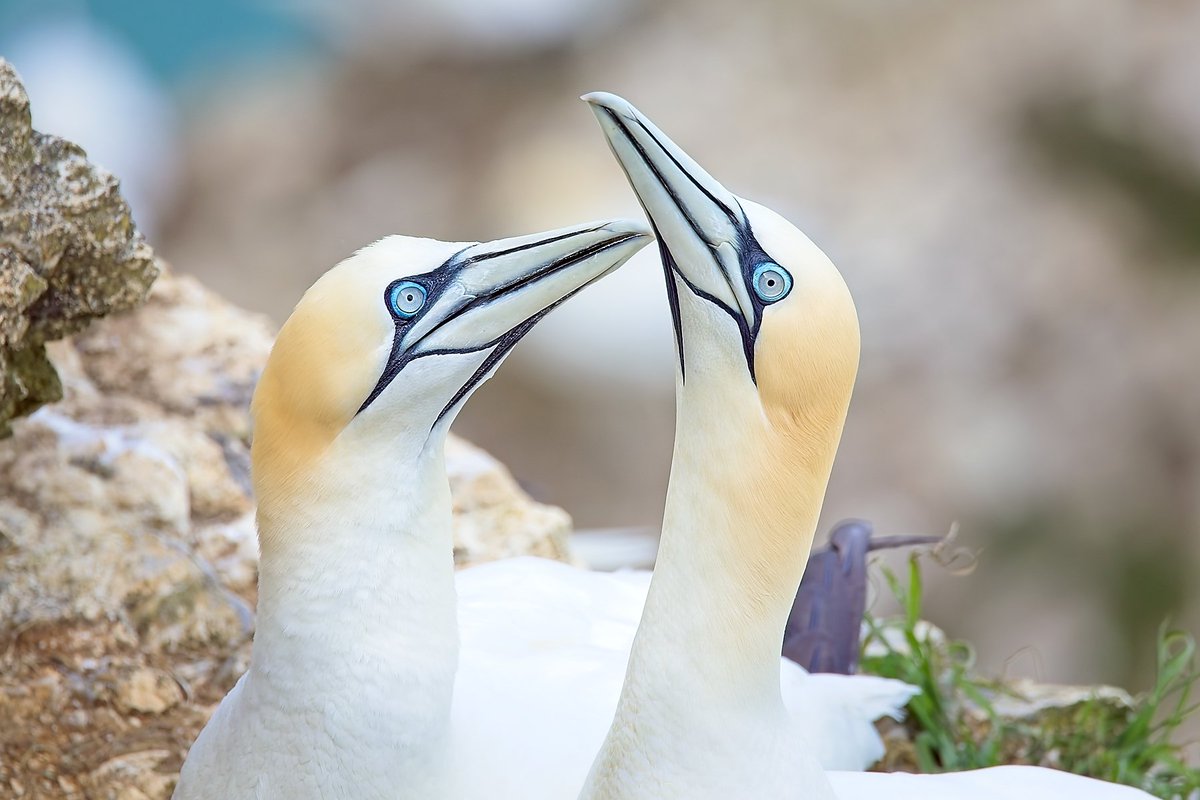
(406, 298)
(771, 282)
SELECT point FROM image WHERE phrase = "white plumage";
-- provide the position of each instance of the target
(997, 783)
(543, 653)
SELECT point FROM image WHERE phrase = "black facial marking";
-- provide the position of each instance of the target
(508, 340)
(505, 343)
(466, 262)
(666, 185)
(435, 283)
(669, 271)
(750, 252)
(704, 190)
(750, 256)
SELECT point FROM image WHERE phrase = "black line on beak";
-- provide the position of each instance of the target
(399, 359)
(748, 329)
(668, 262)
(737, 221)
(504, 344)
(469, 260)
(531, 277)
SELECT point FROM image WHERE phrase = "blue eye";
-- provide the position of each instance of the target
(771, 282)
(406, 299)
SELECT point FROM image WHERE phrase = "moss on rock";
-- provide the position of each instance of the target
(69, 251)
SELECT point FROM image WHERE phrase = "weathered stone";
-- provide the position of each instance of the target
(69, 251)
(132, 776)
(147, 691)
(1044, 703)
(488, 524)
(1039, 719)
(128, 556)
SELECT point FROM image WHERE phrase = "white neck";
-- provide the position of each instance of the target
(700, 713)
(356, 641)
(703, 614)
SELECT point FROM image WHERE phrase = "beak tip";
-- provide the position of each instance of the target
(606, 101)
(628, 227)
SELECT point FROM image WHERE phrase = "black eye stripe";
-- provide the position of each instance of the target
(434, 282)
(751, 256)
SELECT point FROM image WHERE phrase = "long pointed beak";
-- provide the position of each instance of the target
(700, 225)
(491, 294)
(488, 295)
(496, 291)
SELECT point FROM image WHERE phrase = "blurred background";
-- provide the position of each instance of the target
(1011, 189)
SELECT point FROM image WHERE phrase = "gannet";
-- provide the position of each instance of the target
(768, 345)
(545, 646)
(348, 693)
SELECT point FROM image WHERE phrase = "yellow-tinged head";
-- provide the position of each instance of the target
(768, 346)
(741, 278)
(806, 347)
(387, 345)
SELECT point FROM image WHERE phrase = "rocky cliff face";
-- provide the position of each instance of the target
(69, 251)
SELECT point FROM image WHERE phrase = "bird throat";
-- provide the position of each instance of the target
(356, 616)
(741, 511)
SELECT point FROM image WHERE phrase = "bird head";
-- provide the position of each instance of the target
(383, 350)
(755, 303)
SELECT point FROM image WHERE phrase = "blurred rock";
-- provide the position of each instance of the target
(69, 252)
(131, 776)
(127, 546)
(492, 518)
(147, 691)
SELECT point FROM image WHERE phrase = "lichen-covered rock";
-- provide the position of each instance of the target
(1019, 720)
(69, 251)
(1048, 724)
(127, 550)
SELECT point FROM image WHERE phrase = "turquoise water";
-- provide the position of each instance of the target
(177, 40)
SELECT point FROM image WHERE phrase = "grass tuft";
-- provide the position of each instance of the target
(953, 723)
